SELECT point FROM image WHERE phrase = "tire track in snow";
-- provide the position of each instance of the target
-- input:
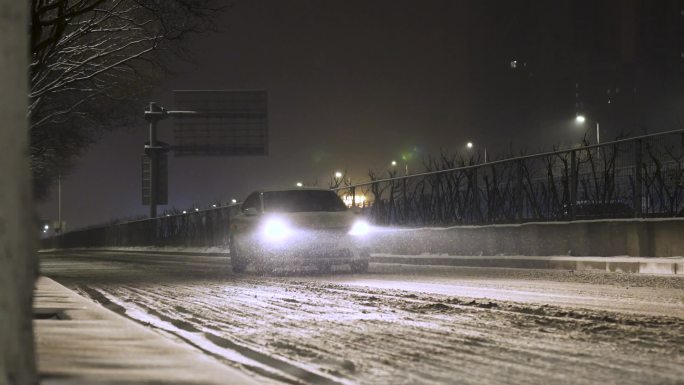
(434, 341)
(217, 346)
(405, 338)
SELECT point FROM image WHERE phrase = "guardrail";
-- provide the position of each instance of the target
(196, 228)
(636, 177)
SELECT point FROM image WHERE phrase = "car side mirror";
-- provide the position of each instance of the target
(250, 211)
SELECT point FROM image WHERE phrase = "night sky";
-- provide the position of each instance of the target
(355, 84)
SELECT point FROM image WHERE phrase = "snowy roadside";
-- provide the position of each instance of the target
(400, 324)
(80, 342)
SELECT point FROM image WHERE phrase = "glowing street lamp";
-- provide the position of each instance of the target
(233, 201)
(470, 146)
(580, 119)
(394, 164)
(338, 174)
(300, 184)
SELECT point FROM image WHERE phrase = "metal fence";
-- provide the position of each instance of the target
(197, 228)
(629, 178)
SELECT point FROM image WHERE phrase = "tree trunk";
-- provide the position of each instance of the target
(18, 227)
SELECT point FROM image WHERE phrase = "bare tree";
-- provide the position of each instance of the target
(93, 63)
(17, 229)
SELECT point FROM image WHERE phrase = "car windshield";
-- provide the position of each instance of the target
(302, 201)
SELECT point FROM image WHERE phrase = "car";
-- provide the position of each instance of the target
(295, 227)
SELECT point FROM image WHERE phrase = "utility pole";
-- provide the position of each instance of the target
(18, 257)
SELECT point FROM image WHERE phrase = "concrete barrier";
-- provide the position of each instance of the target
(618, 237)
(622, 264)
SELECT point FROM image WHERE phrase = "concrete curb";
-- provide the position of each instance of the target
(667, 266)
(81, 342)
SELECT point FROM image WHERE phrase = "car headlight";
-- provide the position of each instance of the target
(276, 229)
(360, 228)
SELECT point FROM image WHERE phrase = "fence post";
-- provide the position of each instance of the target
(573, 183)
(476, 196)
(638, 183)
(405, 201)
(519, 191)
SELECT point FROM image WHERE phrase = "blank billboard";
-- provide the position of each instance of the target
(220, 122)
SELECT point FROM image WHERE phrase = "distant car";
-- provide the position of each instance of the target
(302, 226)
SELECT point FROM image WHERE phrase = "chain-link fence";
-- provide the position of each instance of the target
(629, 178)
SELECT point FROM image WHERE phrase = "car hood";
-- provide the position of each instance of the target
(317, 220)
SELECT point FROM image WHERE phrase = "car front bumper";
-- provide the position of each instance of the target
(327, 247)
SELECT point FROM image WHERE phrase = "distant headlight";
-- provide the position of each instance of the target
(276, 229)
(360, 228)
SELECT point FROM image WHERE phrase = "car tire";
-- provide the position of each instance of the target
(360, 266)
(237, 259)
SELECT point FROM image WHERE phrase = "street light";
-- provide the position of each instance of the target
(580, 119)
(394, 164)
(233, 201)
(300, 184)
(470, 145)
(338, 174)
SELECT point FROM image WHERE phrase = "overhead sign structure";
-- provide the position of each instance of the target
(220, 123)
(224, 123)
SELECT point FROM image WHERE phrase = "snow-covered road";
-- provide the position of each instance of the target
(399, 324)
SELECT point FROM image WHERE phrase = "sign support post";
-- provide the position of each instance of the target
(153, 116)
